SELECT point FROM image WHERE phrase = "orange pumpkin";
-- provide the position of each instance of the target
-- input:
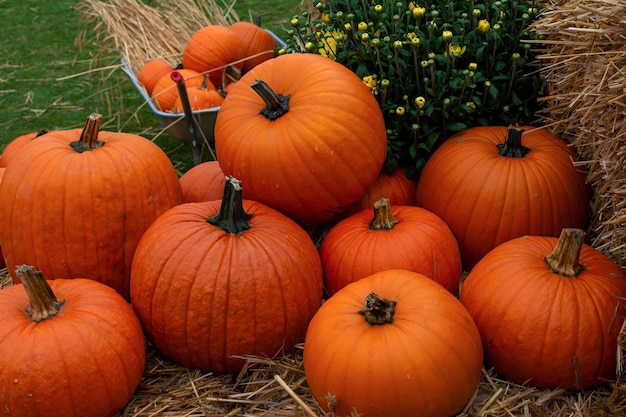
(203, 182)
(390, 237)
(70, 348)
(304, 134)
(549, 310)
(396, 186)
(258, 44)
(201, 97)
(165, 91)
(16, 144)
(211, 49)
(492, 184)
(394, 343)
(76, 203)
(151, 72)
(2, 262)
(216, 280)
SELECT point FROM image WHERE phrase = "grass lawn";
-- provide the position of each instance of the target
(41, 86)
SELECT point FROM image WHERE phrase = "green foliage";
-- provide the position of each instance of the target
(435, 66)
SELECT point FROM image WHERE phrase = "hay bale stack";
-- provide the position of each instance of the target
(584, 66)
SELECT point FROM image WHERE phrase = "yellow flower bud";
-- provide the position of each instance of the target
(446, 36)
(362, 26)
(483, 25)
(420, 102)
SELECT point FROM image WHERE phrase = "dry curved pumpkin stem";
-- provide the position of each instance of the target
(378, 310)
(89, 136)
(383, 219)
(276, 104)
(512, 146)
(231, 217)
(564, 258)
(43, 303)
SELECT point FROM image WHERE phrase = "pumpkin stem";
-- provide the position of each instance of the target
(231, 218)
(43, 303)
(383, 219)
(275, 104)
(89, 136)
(564, 258)
(378, 310)
(512, 146)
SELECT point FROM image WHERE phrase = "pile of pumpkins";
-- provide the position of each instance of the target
(221, 263)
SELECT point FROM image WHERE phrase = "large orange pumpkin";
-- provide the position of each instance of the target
(492, 184)
(76, 203)
(304, 134)
(394, 343)
(203, 182)
(69, 348)
(214, 280)
(390, 237)
(549, 310)
(211, 50)
(258, 43)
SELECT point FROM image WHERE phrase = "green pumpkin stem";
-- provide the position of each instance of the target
(275, 104)
(89, 136)
(378, 310)
(231, 218)
(512, 146)
(564, 258)
(383, 219)
(43, 303)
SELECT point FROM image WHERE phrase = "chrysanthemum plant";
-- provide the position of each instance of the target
(435, 66)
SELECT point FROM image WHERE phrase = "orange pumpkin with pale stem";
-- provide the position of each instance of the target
(70, 348)
(76, 202)
(492, 184)
(390, 237)
(549, 310)
(304, 134)
(217, 280)
(394, 343)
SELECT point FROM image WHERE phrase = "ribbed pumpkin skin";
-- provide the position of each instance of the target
(487, 199)
(151, 72)
(204, 295)
(421, 242)
(73, 214)
(203, 182)
(426, 363)
(533, 322)
(256, 41)
(15, 145)
(320, 157)
(211, 49)
(86, 361)
(165, 91)
(397, 187)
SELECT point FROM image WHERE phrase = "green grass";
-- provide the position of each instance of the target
(46, 81)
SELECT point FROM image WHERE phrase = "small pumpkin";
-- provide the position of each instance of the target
(76, 203)
(217, 280)
(203, 182)
(151, 72)
(304, 134)
(211, 50)
(549, 310)
(165, 92)
(394, 343)
(70, 348)
(258, 43)
(390, 237)
(491, 184)
(201, 97)
(16, 144)
(396, 186)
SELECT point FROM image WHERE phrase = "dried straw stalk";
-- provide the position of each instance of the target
(585, 67)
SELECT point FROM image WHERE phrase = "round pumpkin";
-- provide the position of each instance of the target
(217, 280)
(390, 237)
(201, 97)
(396, 186)
(70, 348)
(203, 182)
(492, 184)
(394, 343)
(549, 310)
(304, 134)
(16, 144)
(211, 50)
(258, 44)
(165, 91)
(76, 203)
(151, 72)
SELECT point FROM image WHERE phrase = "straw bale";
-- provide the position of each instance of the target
(584, 61)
